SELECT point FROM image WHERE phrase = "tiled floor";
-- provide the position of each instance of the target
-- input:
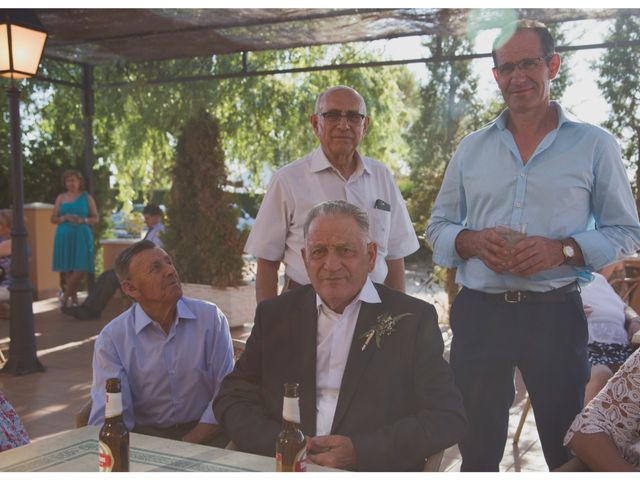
(47, 402)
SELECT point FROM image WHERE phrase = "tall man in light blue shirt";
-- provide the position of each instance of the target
(169, 352)
(520, 306)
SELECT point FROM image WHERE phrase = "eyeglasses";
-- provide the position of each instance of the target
(525, 65)
(334, 116)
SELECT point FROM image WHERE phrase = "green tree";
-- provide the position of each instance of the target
(265, 120)
(201, 233)
(619, 82)
(449, 109)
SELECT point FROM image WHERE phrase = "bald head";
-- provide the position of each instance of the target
(320, 100)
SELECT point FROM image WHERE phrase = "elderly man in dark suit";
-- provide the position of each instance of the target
(375, 392)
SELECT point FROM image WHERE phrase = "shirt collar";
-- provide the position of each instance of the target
(141, 319)
(320, 162)
(563, 117)
(367, 294)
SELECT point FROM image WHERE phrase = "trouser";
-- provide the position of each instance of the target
(102, 291)
(547, 342)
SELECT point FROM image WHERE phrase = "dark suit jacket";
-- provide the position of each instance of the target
(398, 403)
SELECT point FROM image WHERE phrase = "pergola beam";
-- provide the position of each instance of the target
(245, 73)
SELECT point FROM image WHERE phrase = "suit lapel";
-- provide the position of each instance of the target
(357, 361)
(304, 327)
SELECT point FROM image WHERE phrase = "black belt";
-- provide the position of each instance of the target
(525, 296)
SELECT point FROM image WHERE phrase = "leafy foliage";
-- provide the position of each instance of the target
(620, 85)
(449, 110)
(265, 119)
(201, 233)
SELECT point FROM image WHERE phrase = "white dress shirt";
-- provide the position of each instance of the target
(335, 335)
(298, 187)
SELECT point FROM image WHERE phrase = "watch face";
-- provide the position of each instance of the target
(568, 252)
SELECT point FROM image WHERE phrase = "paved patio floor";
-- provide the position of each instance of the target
(47, 402)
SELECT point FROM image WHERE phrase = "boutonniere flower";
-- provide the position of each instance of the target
(385, 325)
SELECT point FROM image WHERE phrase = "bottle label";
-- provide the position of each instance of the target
(291, 410)
(300, 462)
(105, 458)
(113, 405)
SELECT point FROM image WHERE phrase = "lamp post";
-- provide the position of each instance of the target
(22, 40)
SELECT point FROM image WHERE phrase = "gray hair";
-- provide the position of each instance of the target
(539, 28)
(320, 98)
(338, 207)
(124, 258)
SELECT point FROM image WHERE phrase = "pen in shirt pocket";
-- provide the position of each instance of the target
(382, 205)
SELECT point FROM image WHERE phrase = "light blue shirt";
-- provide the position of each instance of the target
(574, 185)
(166, 379)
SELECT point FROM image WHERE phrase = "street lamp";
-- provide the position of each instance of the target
(22, 40)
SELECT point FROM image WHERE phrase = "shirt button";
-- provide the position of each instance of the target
(518, 205)
(522, 174)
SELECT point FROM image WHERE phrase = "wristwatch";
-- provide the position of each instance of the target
(568, 251)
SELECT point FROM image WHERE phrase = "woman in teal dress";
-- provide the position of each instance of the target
(73, 212)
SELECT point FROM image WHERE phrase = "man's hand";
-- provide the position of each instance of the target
(588, 309)
(335, 451)
(634, 327)
(485, 244)
(202, 433)
(535, 254)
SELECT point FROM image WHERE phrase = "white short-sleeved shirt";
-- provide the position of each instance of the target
(296, 188)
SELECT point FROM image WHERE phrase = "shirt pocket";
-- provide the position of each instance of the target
(379, 226)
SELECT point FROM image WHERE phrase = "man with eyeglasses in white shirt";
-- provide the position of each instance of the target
(520, 306)
(334, 171)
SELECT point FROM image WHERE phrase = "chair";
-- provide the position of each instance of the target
(82, 417)
(523, 417)
(238, 348)
(625, 282)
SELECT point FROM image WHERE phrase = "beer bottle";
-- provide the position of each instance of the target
(291, 450)
(113, 446)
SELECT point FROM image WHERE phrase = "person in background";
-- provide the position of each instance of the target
(606, 435)
(108, 283)
(5, 253)
(12, 431)
(611, 324)
(74, 211)
(152, 214)
(334, 171)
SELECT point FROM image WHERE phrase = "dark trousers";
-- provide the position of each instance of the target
(102, 291)
(547, 342)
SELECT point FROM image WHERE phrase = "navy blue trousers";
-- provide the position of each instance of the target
(547, 342)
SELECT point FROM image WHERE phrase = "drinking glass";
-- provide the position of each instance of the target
(512, 233)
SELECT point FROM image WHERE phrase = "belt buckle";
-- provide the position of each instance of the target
(513, 296)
